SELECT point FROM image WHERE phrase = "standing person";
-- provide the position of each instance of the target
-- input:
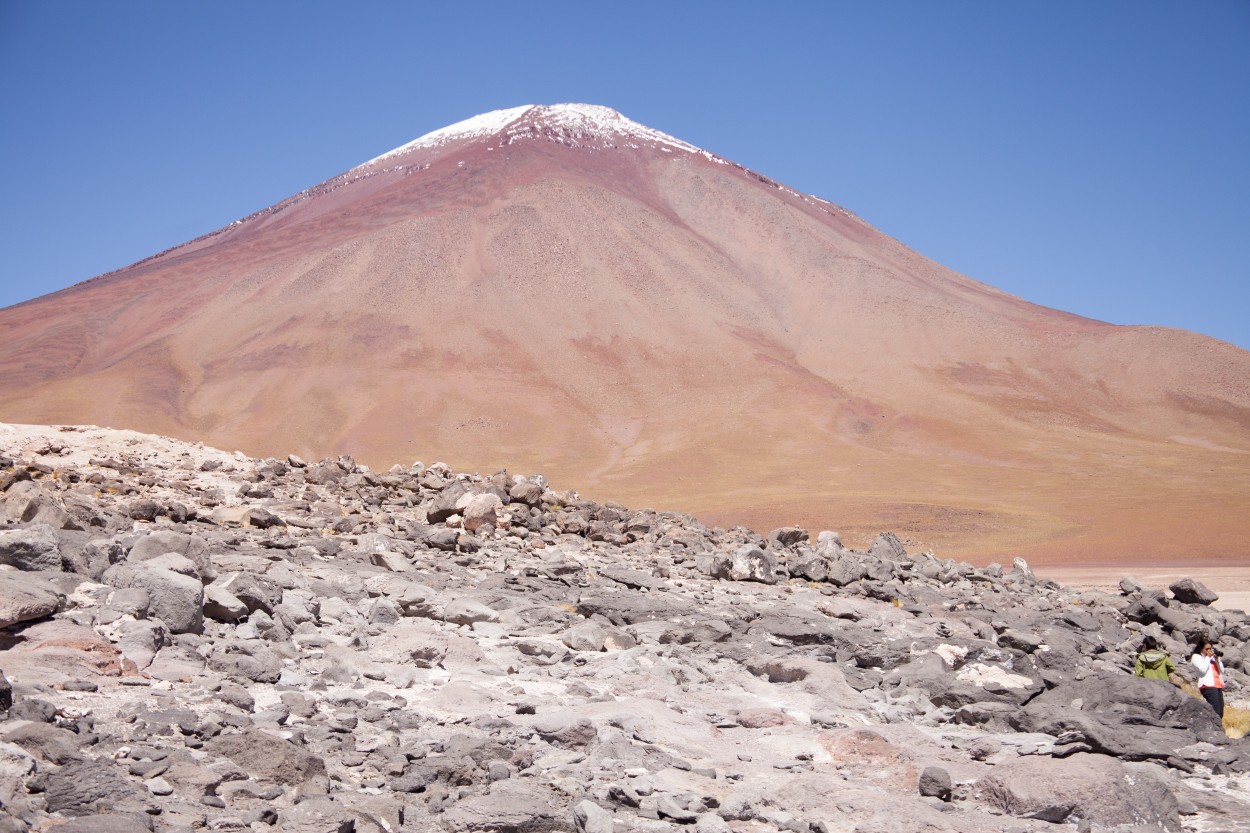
(1153, 662)
(1211, 684)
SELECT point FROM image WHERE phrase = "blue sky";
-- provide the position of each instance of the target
(1093, 157)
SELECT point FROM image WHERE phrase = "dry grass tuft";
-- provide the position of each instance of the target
(1236, 721)
(1236, 718)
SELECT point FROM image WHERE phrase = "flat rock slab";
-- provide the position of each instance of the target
(25, 599)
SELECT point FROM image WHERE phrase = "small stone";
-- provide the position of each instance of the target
(159, 786)
(589, 817)
(935, 782)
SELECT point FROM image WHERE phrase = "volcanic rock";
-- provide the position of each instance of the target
(548, 679)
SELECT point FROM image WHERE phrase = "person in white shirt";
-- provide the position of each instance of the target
(1211, 684)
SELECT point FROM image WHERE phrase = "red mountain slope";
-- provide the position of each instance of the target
(559, 289)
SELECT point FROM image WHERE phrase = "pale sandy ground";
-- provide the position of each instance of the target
(1232, 583)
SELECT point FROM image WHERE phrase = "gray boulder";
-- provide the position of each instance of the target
(86, 787)
(176, 599)
(566, 729)
(589, 817)
(44, 741)
(751, 563)
(585, 636)
(25, 598)
(29, 502)
(191, 547)
(107, 823)
(936, 783)
(526, 492)
(887, 547)
(513, 804)
(1088, 787)
(1191, 591)
(31, 548)
(461, 611)
(845, 569)
(444, 506)
(1128, 717)
(788, 536)
(318, 815)
(222, 605)
(139, 640)
(267, 757)
(256, 592)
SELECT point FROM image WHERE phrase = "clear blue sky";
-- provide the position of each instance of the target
(1091, 156)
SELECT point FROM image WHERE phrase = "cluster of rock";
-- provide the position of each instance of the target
(198, 640)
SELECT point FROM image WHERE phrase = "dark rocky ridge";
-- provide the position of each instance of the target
(199, 640)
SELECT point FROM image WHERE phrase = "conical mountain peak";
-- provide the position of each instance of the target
(559, 288)
(579, 125)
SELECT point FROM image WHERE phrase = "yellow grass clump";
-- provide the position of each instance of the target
(1236, 718)
(1236, 721)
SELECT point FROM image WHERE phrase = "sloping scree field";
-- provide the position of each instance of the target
(195, 640)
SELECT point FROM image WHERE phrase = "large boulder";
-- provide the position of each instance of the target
(162, 541)
(1191, 591)
(29, 502)
(845, 568)
(811, 566)
(526, 492)
(176, 599)
(34, 547)
(43, 740)
(87, 787)
(107, 823)
(481, 510)
(256, 592)
(444, 506)
(566, 729)
(750, 563)
(887, 547)
(25, 598)
(513, 804)
(585, 636)
(15, 762)
(1087, 787)
(222, 605)
(267, 757)
(788, 536)
(1129, 717)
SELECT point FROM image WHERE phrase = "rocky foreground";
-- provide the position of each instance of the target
(194, 639)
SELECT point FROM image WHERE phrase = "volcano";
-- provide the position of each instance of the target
(559, 289)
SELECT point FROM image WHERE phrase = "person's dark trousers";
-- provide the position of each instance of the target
(1214, 696)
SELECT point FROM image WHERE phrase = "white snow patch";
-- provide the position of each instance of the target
(485, 124)
(579, 125)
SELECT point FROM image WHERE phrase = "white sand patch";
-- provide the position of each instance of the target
(980, 674)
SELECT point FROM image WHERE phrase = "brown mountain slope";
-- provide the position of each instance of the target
(562, 290)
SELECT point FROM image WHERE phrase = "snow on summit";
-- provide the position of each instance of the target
(582, 125)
